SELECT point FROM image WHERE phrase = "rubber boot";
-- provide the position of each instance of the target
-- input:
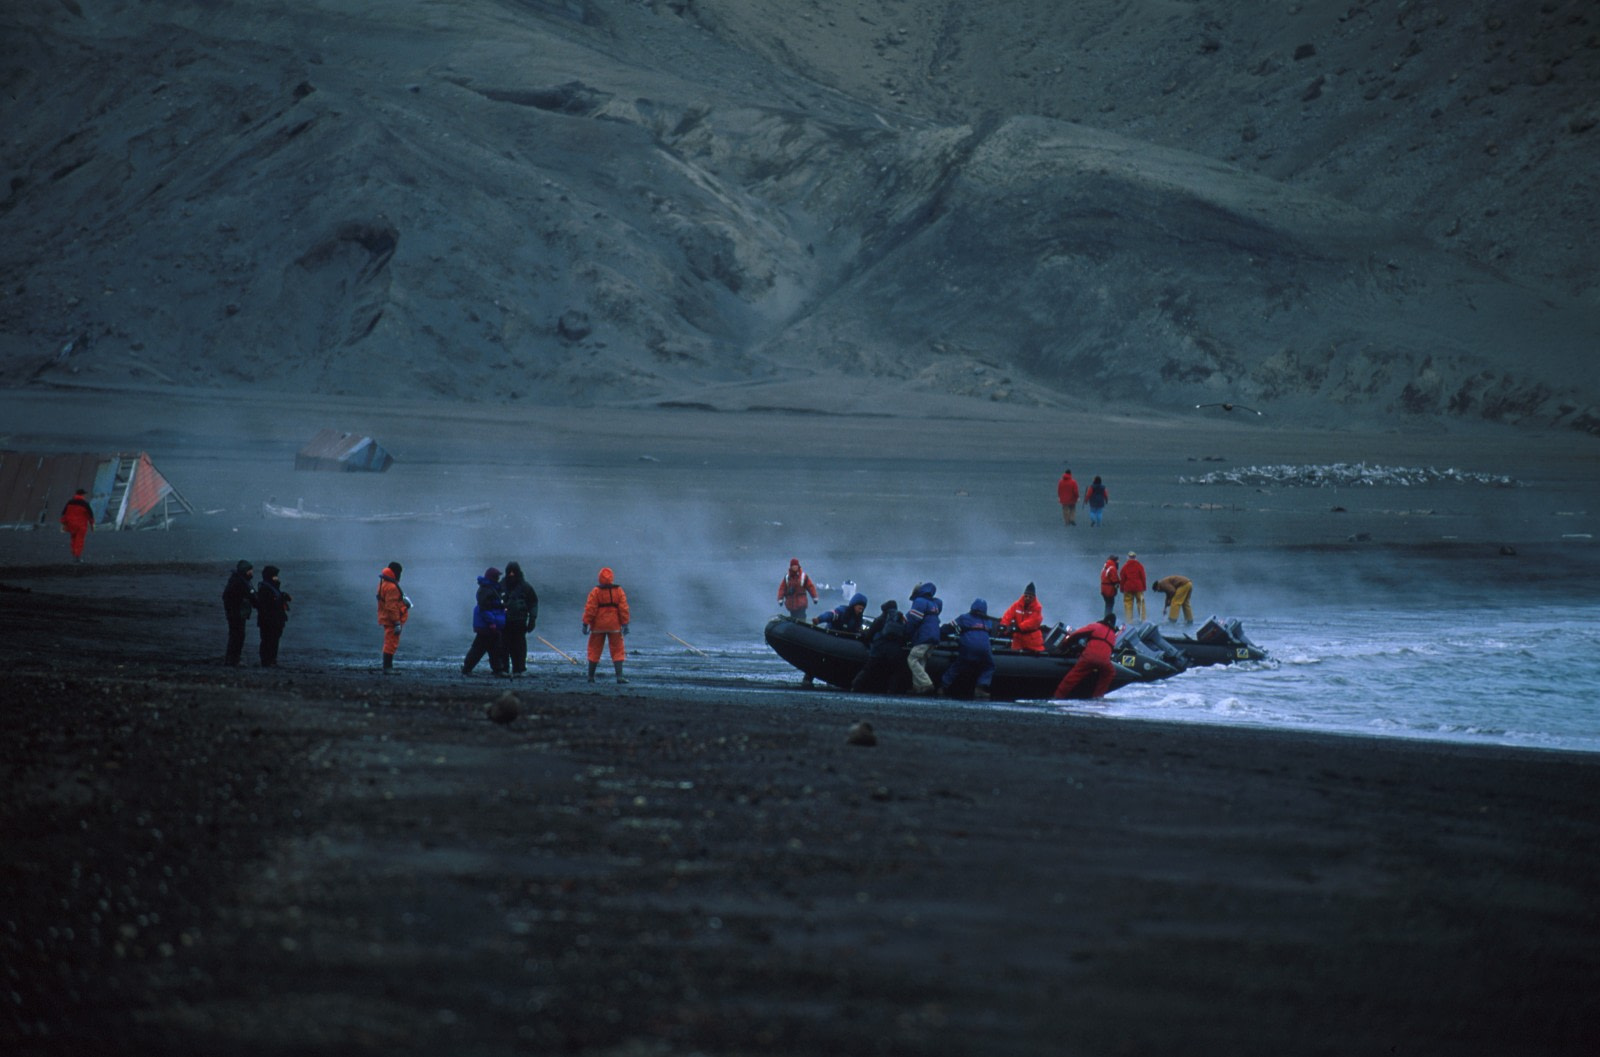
(388, 662)
(592, 666)
(620, 677)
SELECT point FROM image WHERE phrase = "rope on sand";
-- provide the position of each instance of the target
(701, 652)
(558, 649)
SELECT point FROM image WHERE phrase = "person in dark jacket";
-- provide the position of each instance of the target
(848, 617)
(272, 613)
(1091, 675)
(1096, 499)
(488, 626)
(885, 671)
(522, 616)
(974, 652)
(237, 601)
(77, 521)
(922, 631)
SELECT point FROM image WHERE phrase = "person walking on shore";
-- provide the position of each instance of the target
(1110, 584)
(1024, 618)
(605, 621)
(1096, 501)
(77, 521)
(488, 626)
(1133, 587)
(1177, 590)
(272, 614)
(522, 616)
(238, 597)
(1067, 495)
(1092, 674)
(974, 651)
(794, 589)
(394, 609)
(922, 630)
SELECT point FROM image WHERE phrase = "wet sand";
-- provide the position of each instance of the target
(323, 860)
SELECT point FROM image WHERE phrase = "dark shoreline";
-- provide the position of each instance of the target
(327, 862)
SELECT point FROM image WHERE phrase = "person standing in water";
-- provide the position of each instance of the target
(796, 591)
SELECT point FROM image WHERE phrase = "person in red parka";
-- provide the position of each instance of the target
(793, 590)
(605, 618)
(77, 521)
(1133, 587)
(1024, 618)
(1093, 673)
(1110, 584)
(1067, 494)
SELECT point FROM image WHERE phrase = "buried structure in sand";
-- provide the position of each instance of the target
(341, 452)
(125, 490)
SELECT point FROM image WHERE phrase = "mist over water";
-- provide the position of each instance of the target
(1426, 632)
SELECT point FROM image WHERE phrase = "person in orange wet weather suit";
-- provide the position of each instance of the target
(77, 521)
(1110, 584)
(394, 609)
(1133, 586)
(793, 590)
(1067, 495)
(1024, 618)
(605, 617)
(1091, 676)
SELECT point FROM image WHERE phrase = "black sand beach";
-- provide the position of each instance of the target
(322, 860)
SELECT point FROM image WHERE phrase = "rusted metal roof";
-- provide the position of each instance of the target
(125, 490)
(332, 449)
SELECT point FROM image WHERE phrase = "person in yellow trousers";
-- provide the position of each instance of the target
(1133, 587)
(605, 619)
(1177, 589)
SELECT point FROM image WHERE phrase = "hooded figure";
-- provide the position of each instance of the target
(605, 621)
(272, 613)
(885, 671)
(1025, 617)
(974, 655)
(238, 598)
(848, 617)
(394, 609)
(77, 521)
(488, 627)
(522, 615)
(922, 631)
(793, 590)
(1093, 673)
(1110, 584)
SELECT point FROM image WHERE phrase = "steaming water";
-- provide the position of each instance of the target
(1508, 675)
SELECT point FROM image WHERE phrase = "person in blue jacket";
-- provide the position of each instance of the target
(488, 625)
(974, 654)
(841, 618)
(922, 632)
(847, 617)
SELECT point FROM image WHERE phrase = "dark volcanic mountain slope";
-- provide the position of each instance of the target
(600, 201)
